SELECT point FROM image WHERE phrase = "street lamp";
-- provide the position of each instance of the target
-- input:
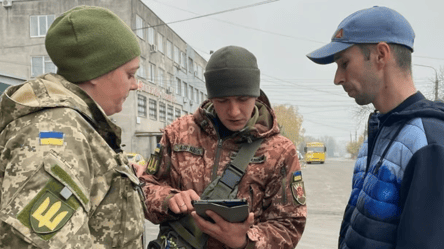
(436, 79)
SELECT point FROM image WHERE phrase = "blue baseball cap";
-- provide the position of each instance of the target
(373, 25)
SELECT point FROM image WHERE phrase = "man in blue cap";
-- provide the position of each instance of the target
(397, 195)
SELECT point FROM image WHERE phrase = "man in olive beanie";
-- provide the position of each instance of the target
(65, 181)
(198, 149)
(232, 71)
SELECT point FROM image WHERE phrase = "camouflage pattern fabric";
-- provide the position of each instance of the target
(190, 149)
(64, 182)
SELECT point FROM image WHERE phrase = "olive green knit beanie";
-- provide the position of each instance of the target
(87, 42)
(232, 71)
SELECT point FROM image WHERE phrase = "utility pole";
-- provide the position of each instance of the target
(436, 79)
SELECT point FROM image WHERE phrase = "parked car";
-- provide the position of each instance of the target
(136, 158)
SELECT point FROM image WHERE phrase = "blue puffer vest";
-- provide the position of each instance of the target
(372, 215)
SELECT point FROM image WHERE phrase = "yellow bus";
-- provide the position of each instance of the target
(315, 152)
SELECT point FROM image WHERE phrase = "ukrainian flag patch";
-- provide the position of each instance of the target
(51, 138)
(297, 176)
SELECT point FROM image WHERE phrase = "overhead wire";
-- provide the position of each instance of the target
(211, 14)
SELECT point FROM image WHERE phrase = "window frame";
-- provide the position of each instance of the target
(38, 25)
(162, 111)
(160, 43)
(161, 75)
(151, 76)
(170, 113)
(140, 31)
(169, 49)
(141, 71)
(178, 86)
(152, 106)
(142, 113)
(46, 60)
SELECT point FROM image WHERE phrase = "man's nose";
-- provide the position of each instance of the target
(134, 85)
(233, 109)
(339, 77)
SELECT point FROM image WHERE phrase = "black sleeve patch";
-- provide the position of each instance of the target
(153, 164)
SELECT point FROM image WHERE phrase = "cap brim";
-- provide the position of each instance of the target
(325, 55)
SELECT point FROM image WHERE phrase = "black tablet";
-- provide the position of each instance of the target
(232, 210)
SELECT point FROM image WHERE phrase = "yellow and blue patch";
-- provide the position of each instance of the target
(297, 176)
(51, 138)
(298, 188)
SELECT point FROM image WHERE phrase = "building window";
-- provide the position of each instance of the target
(191, 93)
(140, 31)
(178, 87)
(199, 72)
(161, 79)
(196, 95)
(152, 69)
(162, 111)
(190, 65)
(201, 97)
(183, 60)
(41, 65)
(153, 109)
(141, 106)
(185, 112)
(160, 42)
(169, 49)
(39, 25)
(206, 97)
(170, 113)
(141, 71)
(177, 113)
(176, 55)
(185, 89)
(151, 35)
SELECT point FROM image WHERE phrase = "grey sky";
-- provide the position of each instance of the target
(281, 33)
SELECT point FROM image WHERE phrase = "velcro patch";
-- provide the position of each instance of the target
(297, 188)
(255, 159)
(153, 164)
(51, 138)
(185, 147)
(49, 213)
(297, 176)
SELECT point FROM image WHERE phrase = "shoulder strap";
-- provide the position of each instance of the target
(223, 187)
(379, 164)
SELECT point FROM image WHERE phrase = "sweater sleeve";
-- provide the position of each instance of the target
(283, 219)
(158, 184)
(422, 198)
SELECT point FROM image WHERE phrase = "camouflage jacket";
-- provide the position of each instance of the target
(272, 184)
(64, 181)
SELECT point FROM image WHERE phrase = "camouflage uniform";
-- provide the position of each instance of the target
(64, 181)
(191, 147)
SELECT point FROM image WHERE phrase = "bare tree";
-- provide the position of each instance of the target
(362, 112)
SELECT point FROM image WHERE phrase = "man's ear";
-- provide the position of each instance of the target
(383, 54)
(92, 82)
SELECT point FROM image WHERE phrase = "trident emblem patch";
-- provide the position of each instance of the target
(49, 213)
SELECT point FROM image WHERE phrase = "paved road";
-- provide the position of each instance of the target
(328, 187)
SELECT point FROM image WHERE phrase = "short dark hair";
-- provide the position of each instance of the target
(402, 54)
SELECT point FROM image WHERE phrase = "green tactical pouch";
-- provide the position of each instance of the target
(181, 234)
